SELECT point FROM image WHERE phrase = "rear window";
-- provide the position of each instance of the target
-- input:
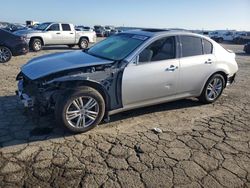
(66, 27)
(208, 47)
(191, 46)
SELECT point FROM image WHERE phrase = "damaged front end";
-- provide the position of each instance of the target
(42, 94)
(33, 94)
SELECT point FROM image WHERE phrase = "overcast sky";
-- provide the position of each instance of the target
(188, 14)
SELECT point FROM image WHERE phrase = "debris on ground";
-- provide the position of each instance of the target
(157, 130)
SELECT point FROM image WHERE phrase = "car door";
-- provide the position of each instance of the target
(154, 76)
(196, 64)
(53, 34)
(68, 34)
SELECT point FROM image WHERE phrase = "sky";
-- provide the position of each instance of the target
(187, 14)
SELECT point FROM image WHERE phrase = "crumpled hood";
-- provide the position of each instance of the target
(26, 32)
(53, 63)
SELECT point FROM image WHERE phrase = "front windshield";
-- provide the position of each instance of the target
(117, 47)
(42, 26)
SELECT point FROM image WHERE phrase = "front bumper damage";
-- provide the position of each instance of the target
(27, 100)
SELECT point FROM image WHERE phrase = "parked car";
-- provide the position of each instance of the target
(114, 31)
(15, 27)
(108, 30)
(221, 35)
(242, 38)
(11, 45)
(83, 28)
(51, 33)
(205, 33)
(129, 70)
(247, 48)
(100, 31)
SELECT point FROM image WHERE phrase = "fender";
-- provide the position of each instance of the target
(107, 82)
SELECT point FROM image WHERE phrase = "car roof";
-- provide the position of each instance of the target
(158, 32)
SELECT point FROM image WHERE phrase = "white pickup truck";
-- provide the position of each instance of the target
(51, 33)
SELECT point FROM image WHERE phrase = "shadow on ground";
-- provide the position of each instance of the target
(60, 48)
(18, 126)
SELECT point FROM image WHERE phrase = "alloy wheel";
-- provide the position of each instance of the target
(5, 54)
(82, 112)
(37, 45)
(214, 88)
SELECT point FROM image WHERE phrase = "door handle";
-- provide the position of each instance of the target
(71, 33)
(172, 68)
(209, 61)
(58, 33)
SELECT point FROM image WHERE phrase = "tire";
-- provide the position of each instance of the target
(220, 40)
(36, 44)
(66, 109)
(71, 45)
(210, 88)
(5, 54)
(83, 43)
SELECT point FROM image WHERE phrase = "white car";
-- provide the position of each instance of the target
(125, 71)
(223, 35)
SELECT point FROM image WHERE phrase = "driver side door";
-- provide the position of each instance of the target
(54, 34)
(153, 77)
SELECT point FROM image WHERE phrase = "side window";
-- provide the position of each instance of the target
(207, 47)
(191, 46)
(66, 27)
(161, 49)
(54, 27)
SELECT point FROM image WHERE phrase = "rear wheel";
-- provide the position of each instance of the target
(36, 44)
(81, 110)
(5, 54)
(83, 43)
(213, 89)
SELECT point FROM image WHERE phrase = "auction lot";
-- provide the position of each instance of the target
(200, 146)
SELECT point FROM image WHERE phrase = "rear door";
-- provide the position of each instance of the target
(68, 34)
(154, 77)
(196, 64)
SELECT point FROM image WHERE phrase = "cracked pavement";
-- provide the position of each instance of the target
(200, 146)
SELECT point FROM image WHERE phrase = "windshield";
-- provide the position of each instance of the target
(117, 47)
(42, 26)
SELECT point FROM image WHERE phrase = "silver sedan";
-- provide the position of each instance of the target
(128, 70)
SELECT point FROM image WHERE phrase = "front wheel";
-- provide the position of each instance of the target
(213, 89)
(5, 54)
(36, 44)
(80, 110)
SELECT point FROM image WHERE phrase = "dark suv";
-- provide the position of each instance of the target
(11, 45)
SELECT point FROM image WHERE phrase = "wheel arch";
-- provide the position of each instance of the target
(83, 37)
(74, 84)
(37, 37)
(222, 72)
(7, 46)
